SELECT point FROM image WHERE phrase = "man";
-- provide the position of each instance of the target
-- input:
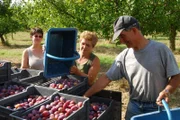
(149, 67)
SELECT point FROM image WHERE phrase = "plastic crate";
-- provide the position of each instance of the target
(167, 114)
(108, 113)
(15, 71)
(80, 114)
(60, 51)
(25, 74)
(6, 84)
(4, 118)
(34, 90)
(75, 90)
(37, 80)
(5, 71)
(113, 95)
(116, 96)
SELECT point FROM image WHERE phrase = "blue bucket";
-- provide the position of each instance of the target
(167, 114)
(60, 53)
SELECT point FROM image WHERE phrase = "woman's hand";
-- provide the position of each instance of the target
(74, 70)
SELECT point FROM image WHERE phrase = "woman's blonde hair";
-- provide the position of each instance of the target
(90, 36)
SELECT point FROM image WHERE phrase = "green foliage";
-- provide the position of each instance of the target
(91, 15)
(7, 22)
(155, 16)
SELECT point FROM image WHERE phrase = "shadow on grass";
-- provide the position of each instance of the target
(19, 46)
(14, 46)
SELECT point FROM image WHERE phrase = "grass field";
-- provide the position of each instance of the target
(106, 52)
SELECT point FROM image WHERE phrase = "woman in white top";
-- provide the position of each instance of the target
(32, 56)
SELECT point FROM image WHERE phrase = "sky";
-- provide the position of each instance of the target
(16, 1)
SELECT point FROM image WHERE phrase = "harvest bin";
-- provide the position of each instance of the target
(60, 51)
(80, 114)
(167, 114)
(33, 90)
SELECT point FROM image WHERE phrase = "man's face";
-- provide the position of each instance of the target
(127, 37)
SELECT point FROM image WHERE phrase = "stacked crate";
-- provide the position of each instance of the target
(5, 71)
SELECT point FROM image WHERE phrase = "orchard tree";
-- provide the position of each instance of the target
(158, 17)
(155, 16)
(91, 15)
(7, 23)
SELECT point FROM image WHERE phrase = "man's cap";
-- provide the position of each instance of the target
(123, 23)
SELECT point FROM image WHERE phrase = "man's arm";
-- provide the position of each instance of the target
(100, 84)
(173, 84)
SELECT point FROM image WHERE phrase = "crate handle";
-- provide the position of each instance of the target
(64, 58)
(167, 109)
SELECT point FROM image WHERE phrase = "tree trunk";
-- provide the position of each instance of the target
(2, 39)
(172, 37)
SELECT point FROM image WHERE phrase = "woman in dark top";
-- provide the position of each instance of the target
(88, 64)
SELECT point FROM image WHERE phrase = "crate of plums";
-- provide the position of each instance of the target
(33, 96)
(71, 84)
(11, 88)
(100, 108)
(61, 106)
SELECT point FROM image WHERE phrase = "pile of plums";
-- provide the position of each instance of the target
(96, 109)
(58, 109)
(6, 91)
(31, 100)
(64, 83)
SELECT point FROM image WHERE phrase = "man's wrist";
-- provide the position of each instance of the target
(167, 92)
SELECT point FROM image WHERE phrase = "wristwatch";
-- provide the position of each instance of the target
(167, 92)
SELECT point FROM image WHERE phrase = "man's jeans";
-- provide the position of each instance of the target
(137, 107)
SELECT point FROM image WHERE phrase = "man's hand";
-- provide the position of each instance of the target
(165, 94)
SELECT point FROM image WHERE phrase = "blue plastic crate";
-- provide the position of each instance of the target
(60, 51)
(167, 114)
